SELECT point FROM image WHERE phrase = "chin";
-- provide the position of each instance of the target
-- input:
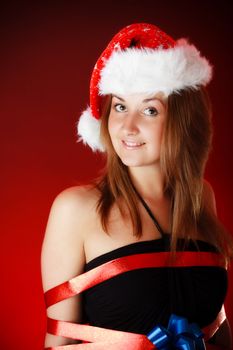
(136, 159)
(132, 162)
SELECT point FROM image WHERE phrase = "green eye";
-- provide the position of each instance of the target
(151, 111)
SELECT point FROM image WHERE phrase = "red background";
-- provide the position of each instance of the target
(48, 50)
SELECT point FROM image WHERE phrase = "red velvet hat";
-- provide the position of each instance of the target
(140, 59)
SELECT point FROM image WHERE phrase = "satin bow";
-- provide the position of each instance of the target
(179, 335)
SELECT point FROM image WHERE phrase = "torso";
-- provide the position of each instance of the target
(97, 242)
(110, 303)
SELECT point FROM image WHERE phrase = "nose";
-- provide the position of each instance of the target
(130, 124)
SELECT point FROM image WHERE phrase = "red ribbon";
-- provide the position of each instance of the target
(102, 338)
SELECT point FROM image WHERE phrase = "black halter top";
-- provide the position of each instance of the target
(137, 300)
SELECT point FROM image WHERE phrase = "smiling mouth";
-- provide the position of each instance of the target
(132, 145)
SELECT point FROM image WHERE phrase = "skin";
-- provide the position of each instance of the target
(74, 226)
(140, 118)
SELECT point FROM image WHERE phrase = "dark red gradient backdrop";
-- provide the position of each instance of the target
(48, 50)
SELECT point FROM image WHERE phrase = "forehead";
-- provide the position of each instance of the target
(141, 97)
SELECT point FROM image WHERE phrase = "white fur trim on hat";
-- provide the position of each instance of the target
(148, 70)
(88, 130)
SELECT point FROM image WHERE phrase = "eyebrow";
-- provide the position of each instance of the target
(146, 100)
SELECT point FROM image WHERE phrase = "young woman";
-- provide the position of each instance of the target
(141, 248)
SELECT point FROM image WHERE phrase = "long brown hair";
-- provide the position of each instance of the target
(185, 148)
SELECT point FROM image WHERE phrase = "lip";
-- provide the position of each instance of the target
(132, 144)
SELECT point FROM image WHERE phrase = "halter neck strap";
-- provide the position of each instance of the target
(150, 213)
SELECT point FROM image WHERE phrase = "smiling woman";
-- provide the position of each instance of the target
(141, 246)
(136, 124)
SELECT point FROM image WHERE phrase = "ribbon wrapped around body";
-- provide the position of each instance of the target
(179, 335)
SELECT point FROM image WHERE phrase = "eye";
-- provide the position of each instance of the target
(151, 111)
(119, 107)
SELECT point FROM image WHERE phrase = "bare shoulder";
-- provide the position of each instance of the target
(209, 196)
(70, 208)
(63, 243)
(77, 195)
(63, 255)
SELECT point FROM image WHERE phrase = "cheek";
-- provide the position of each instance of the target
(160, 131)
(109, 123)
(112, 127)
(155, 134)
(153, 130)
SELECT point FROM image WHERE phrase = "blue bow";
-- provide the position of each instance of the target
(179, 335)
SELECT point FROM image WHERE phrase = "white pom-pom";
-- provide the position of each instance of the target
(88, 131)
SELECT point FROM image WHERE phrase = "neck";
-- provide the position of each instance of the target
(149, 182)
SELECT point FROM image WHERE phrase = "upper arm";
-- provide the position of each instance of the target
(209, 196)
(223, 337)
(62, 255)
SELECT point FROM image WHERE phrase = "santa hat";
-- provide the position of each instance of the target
(140, 59)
